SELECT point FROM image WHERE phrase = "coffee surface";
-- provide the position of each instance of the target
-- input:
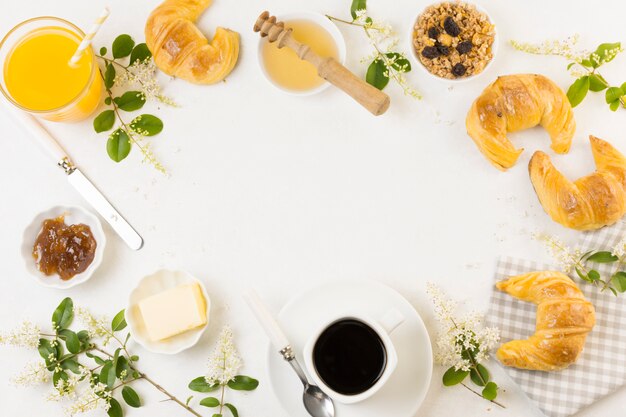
(349, 357)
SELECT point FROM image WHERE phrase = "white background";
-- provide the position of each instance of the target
(280, 193)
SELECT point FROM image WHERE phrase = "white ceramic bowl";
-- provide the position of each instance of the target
(322, 21)
(152, 284)
(73, 215)
(494, 48)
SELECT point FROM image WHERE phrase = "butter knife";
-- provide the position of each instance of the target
(79, 181)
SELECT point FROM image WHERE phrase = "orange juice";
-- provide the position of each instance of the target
(283, 65)
(39, 78)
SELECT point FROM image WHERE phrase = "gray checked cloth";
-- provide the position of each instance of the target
(601, 368)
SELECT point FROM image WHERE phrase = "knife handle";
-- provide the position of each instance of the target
(271, 327)
(41, 135)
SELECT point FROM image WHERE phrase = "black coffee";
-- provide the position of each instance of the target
(349, 357)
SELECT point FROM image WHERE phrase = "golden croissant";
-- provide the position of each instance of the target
(564, 317)
(517, 102)
(590, 202)
(180, 49)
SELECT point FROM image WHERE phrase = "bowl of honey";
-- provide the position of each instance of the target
(285, 70)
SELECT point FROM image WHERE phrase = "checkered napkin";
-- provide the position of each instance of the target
(601, 367)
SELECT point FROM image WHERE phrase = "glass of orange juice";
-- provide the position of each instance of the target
(37, 76)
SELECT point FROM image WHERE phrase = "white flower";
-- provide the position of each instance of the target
(96, 327)
(462, 342)
(143, 75)
(33, 374)
(619, 249)
(560, 252)
(94, 397)
(25, 336)
(224, 362)
(67, 389)
(566, 48)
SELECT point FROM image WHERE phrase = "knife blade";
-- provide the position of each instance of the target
(79, 181)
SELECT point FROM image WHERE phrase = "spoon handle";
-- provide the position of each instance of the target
(271, 327)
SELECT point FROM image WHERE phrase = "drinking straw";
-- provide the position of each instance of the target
(89, 36)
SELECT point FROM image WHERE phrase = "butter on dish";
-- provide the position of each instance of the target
(173, 311)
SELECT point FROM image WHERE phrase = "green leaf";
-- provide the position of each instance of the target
(115, 410)
(602, 257)
(119, 322)
(619, 281)
(103, 51)
(243, 383)
(454, 377)
(614, 106)
(199, 384)
(578, 91)
(122, 365)
(131, 397)
(118, 145)
(399, 62)
(122, 46)
(357, 5)
(96, 358)
(188, 400)
(217, 415)
(140, 53)
(71, 340)
(83, 336)
(232, 409)
(130, 101)
(597, 83)
(104, 121)
(210, 402)
(109, 76)
(613, 290)
(570, 65)
(481, 379)
(107, 374)
(581, 275)
(108, 101)
(613, 94)
(146, 125)
(587, 63)
(71, 365)
(57, 376)
(601, 52)
(377, 74)
(63, 315)
(490, 392)
(593, 275)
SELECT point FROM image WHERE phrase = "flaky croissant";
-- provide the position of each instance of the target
(564, 317)
(517, 102)
(180, 49)
(590, 202)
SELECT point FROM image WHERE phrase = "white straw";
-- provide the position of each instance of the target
(89, 36)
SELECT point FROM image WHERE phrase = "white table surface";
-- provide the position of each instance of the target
(280, 193)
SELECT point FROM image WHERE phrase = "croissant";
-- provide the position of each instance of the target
(564, 317)
(181, 50)
(517, 102)
(590, 202)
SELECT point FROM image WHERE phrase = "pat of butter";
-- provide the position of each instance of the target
(174, 311)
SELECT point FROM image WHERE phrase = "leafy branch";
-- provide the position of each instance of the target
(386, 63)
(140, 70)
(585, 66)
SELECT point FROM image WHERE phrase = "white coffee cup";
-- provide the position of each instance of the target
(383, 327)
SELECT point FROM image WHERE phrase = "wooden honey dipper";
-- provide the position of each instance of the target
(328, 68)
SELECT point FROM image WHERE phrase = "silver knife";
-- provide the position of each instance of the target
(81, 183)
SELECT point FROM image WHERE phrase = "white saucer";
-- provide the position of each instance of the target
(407, 387)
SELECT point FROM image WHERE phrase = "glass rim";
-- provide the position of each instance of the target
(83, 91)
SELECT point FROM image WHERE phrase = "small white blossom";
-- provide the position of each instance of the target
(224, 362)
(96, 327)
(458, 336)
(26, 335)
(619, 249)
(94, 397)
(560, 252)
(566, 48)
(33, 374)
(142, 73)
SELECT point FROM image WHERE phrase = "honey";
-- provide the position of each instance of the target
(286, 69)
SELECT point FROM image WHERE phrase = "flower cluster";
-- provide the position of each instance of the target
(566, 48)
(224, 362)
(568, 259)
(95, 396)
(25, 336)
(142, 74)
(33, 374)
(96, 327)
(460, 335)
